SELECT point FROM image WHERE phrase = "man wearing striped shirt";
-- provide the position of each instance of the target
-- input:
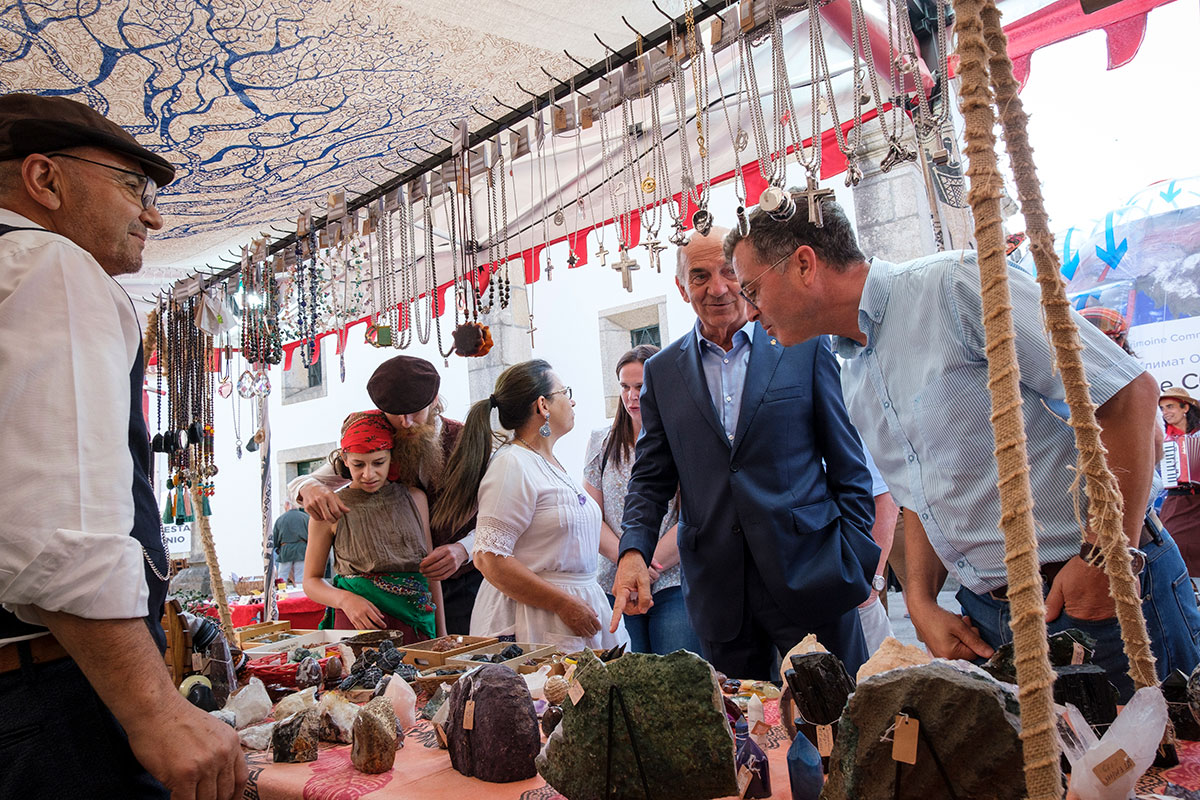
(915, 382)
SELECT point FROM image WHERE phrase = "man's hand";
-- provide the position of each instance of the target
(193, 754)
(322, 504)
(1081, 591)
(631, 588)
(362, 612)
(444, 561)
(579, 617)
(947, 635)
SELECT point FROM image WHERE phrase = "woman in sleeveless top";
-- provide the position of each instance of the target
(538, 533)
(377, 546)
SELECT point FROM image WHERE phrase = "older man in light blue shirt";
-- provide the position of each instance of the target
(915, 383)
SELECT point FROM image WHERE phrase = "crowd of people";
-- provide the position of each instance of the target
(744, 497)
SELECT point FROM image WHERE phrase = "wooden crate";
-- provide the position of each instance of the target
(418, 656)
(247, 635)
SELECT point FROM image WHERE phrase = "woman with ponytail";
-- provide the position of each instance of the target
(537, 534)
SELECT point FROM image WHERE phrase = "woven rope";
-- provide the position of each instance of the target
(1035, 677)
(214, 568)
(1105, 506)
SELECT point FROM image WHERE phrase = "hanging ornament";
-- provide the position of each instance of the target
(245, 385)
(472, 340)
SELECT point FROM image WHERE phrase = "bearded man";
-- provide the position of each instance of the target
(405, 389)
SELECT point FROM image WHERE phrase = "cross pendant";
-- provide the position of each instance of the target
(530, 331)
(601, 252)
(549, 268)
(625, 264)
(897, 154)
(814, 194)
(652, 252)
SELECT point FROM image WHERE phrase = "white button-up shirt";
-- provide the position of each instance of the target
(69, 335)
(917, 392)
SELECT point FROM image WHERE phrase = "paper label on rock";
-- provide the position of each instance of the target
(904, 739)
(575, 692)
(469, 715)
(197, 662)
(1077, 653)
(569, 673)
(1113, 767)
(744, 777)
(825, 740)
(761, 728)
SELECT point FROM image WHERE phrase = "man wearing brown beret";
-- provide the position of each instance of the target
(88, 706)
(405, 389)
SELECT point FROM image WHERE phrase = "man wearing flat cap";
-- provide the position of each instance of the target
(89, 708)
(405, 389)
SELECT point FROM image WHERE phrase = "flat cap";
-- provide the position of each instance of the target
(404, 385)
(31, 123)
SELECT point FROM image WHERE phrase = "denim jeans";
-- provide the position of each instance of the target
(1168, 603)
(665, 628)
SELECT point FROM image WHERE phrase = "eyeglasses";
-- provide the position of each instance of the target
(146, 185)
(565, 390)
(751, 297)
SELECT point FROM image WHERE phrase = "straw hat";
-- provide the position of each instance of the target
(1179, 393)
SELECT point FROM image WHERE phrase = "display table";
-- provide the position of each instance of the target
(423, 770)
(303, 613)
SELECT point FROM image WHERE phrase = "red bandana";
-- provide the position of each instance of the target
(368, 433)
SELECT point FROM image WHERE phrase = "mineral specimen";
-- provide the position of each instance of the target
(1175, 691)
(251, 704)
(550, 719)
(375, 737)
(308, 673)
(295, 738)
(676, 720)
(752, 758)
(337, 717)
(892, 655)
(556, 689)
(970, 720)
(296, 702)
(257, 737)
(491, 728)
(1071, 646)
(804, 769)
(1086, 687)
(820, 686)
(436, 701)
(404, 701)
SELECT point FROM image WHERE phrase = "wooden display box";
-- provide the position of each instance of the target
(311, 639)
(260, 633)
(419, 655)
(429, 681)
(530, 651)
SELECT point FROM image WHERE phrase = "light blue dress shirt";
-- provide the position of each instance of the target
(917, 392)
(725, 374)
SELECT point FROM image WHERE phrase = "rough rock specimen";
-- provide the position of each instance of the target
(257, 737)
(678, 723)
(1063, 652)
(892, 654)
(376, 737)
(296, 702)
(969, 718)
(1086, 687)
(295, 738)
(495, 738)
(820, 686)
(308, 673)
(435, 702)
(337, 717)
(250, 705)
(403, 700)
(556, 690)
(1174, 689)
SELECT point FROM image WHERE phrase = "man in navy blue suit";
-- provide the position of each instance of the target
(776, 507)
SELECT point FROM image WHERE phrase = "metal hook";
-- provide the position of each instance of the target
(583, 66)
(506, 105)
(438, 135)
(485, 116)
(423, 150)
(602, 44)
(369, 180)
(526, 91)
(278, 230)
(635, 30)
(409, 160)
(659, 10)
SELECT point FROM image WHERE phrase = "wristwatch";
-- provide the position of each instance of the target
(1092, 555)
(879, 583)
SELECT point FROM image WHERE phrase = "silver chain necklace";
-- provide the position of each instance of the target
(559, 473)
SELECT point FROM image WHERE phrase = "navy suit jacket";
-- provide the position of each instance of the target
(792, 488)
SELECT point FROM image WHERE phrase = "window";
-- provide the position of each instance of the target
(646, 335)
(314, 375)
(303, 382)
(307, 467)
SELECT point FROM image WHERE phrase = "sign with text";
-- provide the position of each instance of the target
(179, 539)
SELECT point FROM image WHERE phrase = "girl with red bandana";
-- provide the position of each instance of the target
(378, 545)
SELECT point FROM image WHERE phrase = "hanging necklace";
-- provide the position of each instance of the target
(739, 179)
(559, 473)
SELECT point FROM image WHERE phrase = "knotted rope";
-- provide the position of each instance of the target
(214, 567)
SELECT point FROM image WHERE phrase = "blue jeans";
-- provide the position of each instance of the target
(665, 628)
(1168, 603)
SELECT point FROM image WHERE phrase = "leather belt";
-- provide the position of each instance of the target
(42, 650)
(1184, 490)
(1150, 533)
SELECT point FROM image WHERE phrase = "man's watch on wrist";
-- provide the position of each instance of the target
(1092, 555)
(879, 583)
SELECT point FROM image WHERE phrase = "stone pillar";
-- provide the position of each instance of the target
(510, 337)
(891, 208)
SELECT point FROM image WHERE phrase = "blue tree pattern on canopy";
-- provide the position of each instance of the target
(261, 108)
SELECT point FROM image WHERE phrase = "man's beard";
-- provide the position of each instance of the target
(418, 455)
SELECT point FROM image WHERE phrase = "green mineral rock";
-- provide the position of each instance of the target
(678, 725)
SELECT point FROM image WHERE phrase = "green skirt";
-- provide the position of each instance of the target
(403, 595)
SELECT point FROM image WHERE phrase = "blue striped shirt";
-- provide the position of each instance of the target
(917, 392)
(725, 374)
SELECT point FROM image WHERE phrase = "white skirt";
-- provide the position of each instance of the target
(497, 614)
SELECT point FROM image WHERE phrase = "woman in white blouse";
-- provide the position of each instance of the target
(537, 533)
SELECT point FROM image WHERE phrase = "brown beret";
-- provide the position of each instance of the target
(404, 385)
(31, 123)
